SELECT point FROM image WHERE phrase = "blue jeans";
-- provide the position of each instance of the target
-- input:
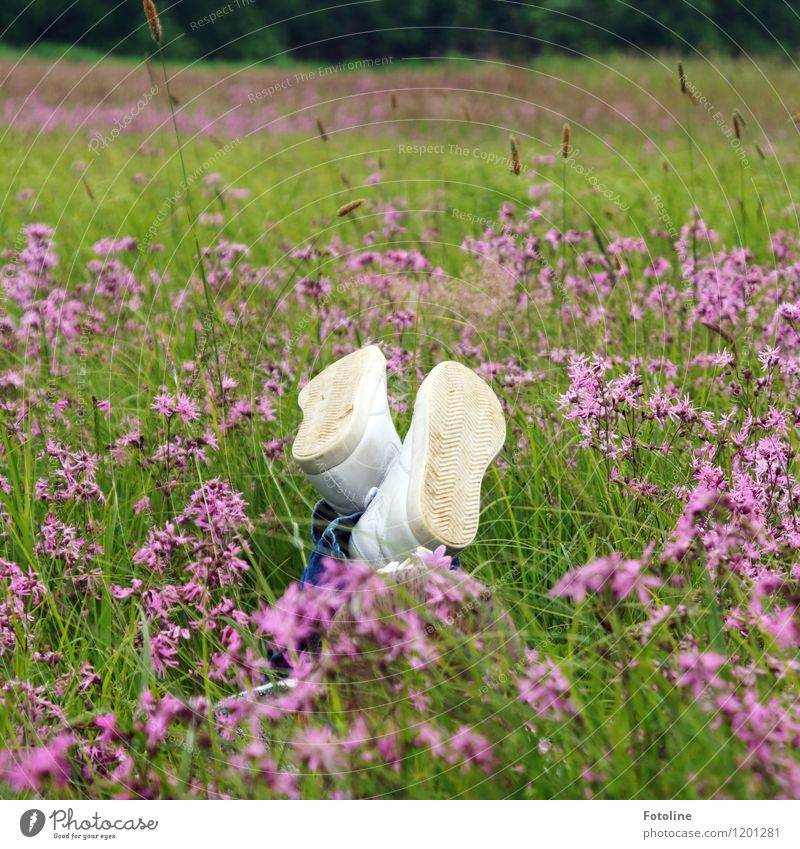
(330, 533)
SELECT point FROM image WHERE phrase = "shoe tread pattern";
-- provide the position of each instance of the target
(465, 431)
(328, 404)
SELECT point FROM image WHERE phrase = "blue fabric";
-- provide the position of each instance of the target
(330, 534)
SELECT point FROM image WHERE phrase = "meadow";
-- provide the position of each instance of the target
(632, 295)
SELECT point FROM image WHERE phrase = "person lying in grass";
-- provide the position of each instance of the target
(395, 515)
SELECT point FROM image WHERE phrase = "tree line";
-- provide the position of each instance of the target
(337, 29)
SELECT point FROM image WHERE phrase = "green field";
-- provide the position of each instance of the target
(683, 685)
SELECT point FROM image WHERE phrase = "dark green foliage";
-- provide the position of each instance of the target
(264, 29)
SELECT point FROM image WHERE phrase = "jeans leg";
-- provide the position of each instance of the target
(331, 534)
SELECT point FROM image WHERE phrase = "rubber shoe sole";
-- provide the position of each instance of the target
(459, 428)
(336, 407)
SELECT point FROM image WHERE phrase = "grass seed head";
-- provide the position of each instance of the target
(321, 130)
(349, 207)
(516, 163)
(685, 88)
(737, 128)
(153, 21)
(566, 140)
(393, 100)
(87, 187)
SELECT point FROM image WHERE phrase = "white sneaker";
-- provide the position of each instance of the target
(431, 494)
(347, 439)
(271, 689)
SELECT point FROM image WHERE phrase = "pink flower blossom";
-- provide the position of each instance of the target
(614, 573)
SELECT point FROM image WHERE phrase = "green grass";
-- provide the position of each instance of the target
(551, 509)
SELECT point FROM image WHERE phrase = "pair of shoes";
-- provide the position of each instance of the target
(424, 491)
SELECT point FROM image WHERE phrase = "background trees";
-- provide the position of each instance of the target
(318, 29)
